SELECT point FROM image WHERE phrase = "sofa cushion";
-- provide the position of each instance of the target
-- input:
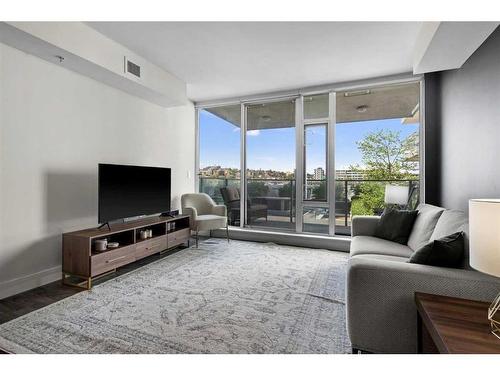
(451, 221)
(374, 245)
(207, 222)
(396, 225)
(424, 225)
(443, 252)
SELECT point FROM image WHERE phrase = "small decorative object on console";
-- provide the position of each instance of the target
(101, 245)
(113, 245)
(143, 234)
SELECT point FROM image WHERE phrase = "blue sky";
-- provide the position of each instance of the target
(275, 148)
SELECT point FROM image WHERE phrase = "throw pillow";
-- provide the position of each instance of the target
(444, 252)
(396, 225)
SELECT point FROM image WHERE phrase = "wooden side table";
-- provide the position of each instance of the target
(454, 326)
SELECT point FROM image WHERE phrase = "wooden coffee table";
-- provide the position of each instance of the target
(454, 326)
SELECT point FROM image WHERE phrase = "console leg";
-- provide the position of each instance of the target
(227, 232)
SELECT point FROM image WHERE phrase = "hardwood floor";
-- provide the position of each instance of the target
(34, 299)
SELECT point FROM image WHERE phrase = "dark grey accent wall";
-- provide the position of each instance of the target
(468, 117)
(432, 139)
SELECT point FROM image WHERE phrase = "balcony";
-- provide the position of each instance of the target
(272, 202)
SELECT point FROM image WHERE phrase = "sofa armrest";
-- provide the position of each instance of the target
(381, 312)
(220, 210)
(193, 215)
(364, 225)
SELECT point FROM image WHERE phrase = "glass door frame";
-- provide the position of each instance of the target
(298, 95)
(301, 125)
(243, 149)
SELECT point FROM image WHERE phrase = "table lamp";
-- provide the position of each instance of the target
(397, 195)
(484, 247)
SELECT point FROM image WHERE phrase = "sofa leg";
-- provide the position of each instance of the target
(196, 238)
(355, 350)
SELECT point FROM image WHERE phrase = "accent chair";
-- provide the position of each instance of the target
(255, 208)
(204, 213)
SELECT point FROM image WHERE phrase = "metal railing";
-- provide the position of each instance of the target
(279, 194)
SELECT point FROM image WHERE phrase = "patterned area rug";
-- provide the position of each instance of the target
(242, 297)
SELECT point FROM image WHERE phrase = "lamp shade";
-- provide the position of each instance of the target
(395, 194)
(484, 235)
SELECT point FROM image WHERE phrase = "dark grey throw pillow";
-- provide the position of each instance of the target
(396, 225)
(444, 252)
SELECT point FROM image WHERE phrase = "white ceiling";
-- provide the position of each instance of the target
(219, 60)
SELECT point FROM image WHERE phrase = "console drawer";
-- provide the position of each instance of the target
(112, 259)
(149, 247)
(178, 237)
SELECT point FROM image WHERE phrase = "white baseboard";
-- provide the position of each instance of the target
(22, 284)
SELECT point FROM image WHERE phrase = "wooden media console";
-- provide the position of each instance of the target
(82, 260)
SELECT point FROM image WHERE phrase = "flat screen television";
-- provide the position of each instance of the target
(128, 191)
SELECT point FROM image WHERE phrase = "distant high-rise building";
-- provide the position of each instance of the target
(319, 173)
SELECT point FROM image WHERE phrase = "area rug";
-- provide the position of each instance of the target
(241, 297)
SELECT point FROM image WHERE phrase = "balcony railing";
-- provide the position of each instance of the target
(354, 196)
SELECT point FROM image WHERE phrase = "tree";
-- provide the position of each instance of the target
(387, 156)
(286, 190)
(369, 199)
(319, 191)
(257, 189)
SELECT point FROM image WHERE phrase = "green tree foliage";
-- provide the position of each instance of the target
(257, 189)
(386, 156)
(286, 190)
(319, 192)
(369, 200)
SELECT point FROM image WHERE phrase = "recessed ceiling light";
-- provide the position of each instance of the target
(266, 118)
(356, 93)
(362, 108)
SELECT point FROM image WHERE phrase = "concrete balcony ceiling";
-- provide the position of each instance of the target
(399, 101)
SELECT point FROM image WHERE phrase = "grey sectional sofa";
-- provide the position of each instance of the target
(381, 312)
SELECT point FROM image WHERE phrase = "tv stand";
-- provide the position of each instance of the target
(82, 261)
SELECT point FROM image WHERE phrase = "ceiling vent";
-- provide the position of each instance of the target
(131, 68)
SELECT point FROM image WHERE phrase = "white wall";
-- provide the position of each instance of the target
(56, 126)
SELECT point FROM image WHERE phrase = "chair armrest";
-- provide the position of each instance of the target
(380, 307)
(364, 225)
(220, 210)
(193, 215)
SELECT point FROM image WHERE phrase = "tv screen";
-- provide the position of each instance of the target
(127, 191)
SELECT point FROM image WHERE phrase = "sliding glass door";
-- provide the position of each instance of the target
(315, 199)
(270, 165)
(311, 162)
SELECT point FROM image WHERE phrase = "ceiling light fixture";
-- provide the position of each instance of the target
(356, 93)
(266, 118)
(362, 108)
